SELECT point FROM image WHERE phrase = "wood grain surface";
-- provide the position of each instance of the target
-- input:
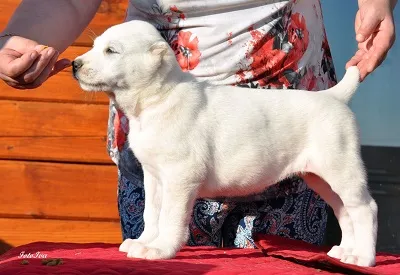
(54, 190)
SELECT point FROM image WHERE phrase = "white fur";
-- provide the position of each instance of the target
(195, 139)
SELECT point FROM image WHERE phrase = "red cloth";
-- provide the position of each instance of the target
(315, 256)
(99, 258)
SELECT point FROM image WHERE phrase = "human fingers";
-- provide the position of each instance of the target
(45, 56)
(53, 68)
(371, 61)
(367, 21)
(44, 75)
(356, 58)
(13, 64)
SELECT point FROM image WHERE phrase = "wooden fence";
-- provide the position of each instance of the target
(57, 182)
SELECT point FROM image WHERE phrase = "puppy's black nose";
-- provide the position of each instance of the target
(76, 64)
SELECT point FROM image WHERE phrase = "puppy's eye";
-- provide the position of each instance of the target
(110, 50)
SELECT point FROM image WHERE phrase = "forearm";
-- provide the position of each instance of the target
(52, 23)
(391, 2)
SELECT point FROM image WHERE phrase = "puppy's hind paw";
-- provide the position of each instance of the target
(338, 252)
(358, 260)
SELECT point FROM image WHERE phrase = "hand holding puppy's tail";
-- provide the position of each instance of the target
(346, 88)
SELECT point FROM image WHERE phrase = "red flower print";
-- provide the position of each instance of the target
(277, 52)
(298, 36)
(265, 59)
(229, 38)
(179, 13)
(175, 15)
(174, 9)
(241, 76)
(187, 51)
(119, 133)
(309, 81)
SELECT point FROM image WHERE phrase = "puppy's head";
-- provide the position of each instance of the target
(125, 57)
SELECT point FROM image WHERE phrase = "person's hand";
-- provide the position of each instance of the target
(375, 34)
(24, 64)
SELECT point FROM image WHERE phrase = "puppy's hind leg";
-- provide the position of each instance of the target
(322, 188)
(152, 209)
(347, 178)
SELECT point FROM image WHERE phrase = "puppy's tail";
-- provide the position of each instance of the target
(346, 88)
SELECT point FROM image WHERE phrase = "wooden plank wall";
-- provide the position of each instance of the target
(57, 182)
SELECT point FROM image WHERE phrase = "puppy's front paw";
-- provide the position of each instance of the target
(155, 251)
(148, 236)
(150, 252)
(134, 248)
(126, 245)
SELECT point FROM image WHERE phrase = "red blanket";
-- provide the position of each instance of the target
(275, 256)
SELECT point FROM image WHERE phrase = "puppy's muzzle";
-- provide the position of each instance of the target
(76, 65)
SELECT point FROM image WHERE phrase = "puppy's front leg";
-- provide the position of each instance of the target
(152, 208)
(177, 205)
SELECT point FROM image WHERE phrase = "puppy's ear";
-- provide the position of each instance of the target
(159, 48)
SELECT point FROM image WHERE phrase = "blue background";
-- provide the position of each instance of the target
(377, 101)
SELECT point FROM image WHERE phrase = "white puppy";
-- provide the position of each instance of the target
(195, 139)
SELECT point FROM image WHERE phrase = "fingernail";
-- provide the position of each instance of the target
(50, 52)
(360, 37)
(34, 55)
(39, 48)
